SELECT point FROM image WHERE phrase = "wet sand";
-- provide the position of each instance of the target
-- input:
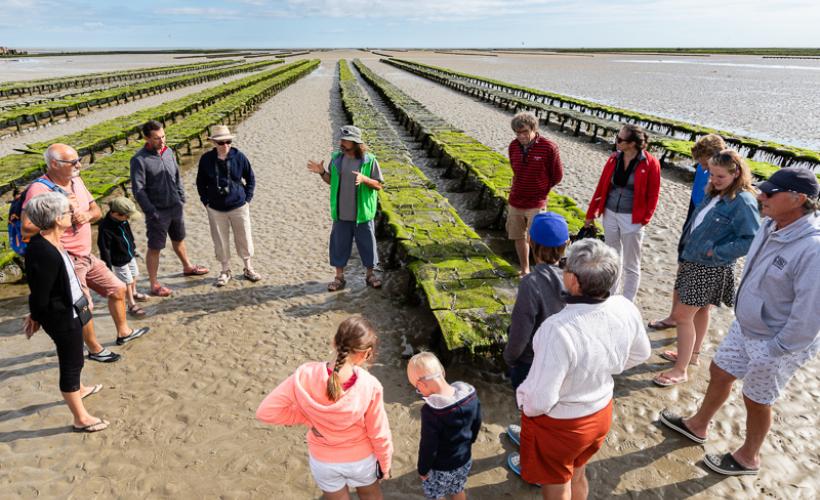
(183, 398)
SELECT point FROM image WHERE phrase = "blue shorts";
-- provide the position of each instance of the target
(442, 483)
(341, 243)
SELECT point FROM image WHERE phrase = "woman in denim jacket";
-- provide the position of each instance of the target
(719, 232)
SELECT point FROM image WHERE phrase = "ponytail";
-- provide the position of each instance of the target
(334, 384)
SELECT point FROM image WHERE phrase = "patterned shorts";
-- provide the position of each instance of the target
(764, 376)
(700, 285)
(446, 483)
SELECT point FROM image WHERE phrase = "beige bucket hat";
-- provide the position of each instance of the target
(220, 133)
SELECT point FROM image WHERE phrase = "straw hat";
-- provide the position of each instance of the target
(220, 133)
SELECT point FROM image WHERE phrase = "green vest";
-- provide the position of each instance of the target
(366, 197)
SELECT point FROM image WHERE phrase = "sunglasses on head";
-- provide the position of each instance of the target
(223, 143)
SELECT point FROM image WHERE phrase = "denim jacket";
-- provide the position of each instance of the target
(727, 230)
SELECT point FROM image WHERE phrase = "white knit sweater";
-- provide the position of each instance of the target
(577, 351)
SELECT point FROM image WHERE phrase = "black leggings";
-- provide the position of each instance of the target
(69, 344)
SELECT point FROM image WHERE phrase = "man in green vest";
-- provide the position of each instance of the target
(354, 177)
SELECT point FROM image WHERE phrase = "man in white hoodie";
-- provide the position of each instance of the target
(777, 329)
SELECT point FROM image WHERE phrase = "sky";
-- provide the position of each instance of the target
(408, 23)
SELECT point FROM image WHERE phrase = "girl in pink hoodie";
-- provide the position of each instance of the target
(348, 436)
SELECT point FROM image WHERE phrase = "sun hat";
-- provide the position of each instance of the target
(795, 179)
(123, 205)
(351, 133)
(549, 229)
(220, 133)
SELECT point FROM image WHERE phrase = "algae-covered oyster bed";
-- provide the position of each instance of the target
(462, 280)
(597, 115)
(111, 171)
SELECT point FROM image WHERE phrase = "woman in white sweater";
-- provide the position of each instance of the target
(566, 400)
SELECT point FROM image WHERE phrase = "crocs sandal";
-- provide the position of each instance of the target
(195, 271)
(514, 433)
(336, 285)
(373, 281)
(663, 381)
(140, 297)
(514, 463)
(673, 357)
(727, 465)
(660, 325)
(99, 425)
(134, 335)
(104, 356)
(94, 390)
(136, 311)
(161, 291)
(675, 423)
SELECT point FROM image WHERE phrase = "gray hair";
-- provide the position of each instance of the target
(595, 264)
(44, 209)
(524, 119)
(811, 205)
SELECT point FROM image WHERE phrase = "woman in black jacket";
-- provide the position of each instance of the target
(56, 302)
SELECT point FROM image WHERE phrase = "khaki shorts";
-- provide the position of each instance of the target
(93, 274)
(519, 221)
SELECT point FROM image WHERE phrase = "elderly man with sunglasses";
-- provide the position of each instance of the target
(777, 329)
(225, 183)
(63, 172)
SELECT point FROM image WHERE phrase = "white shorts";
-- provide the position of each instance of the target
(764, 376)
(333, 476)
(127, 273)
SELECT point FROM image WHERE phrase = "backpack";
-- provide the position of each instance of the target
(16, 241)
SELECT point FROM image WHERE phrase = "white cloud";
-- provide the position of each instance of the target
(210, 12)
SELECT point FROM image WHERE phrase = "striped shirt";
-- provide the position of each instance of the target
(536, 170)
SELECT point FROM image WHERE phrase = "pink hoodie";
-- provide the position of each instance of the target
(350, 429)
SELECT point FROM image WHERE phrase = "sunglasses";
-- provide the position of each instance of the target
(74, 163)
(223, 143)
(619, 139)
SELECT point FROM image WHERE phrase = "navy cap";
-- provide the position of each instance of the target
(795, 179)
(549, 229)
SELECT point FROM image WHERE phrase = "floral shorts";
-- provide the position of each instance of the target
(442, 483)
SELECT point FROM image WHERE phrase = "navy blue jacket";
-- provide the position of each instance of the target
(448, 432)
(208, 181)
(115, 241)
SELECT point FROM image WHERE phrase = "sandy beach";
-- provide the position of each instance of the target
(182, 400)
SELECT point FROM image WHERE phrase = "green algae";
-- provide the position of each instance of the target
(473, 330)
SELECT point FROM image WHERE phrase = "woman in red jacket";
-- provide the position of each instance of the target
(626, 196)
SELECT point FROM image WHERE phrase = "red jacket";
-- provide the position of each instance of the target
(533, 178)
(647, 188)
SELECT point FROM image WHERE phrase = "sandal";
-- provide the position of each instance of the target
(675, 422)
(195, 271)
(160, 291)
(373, 281)
(337, 284)
(94, 390)
(223, 279)
(251, 275)
(99, 425)
(663, 380)
(728, 465)
(673, 357)
(136, 311)
(140, 297)
(660, 324)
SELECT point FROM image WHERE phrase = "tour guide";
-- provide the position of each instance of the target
(354, 177)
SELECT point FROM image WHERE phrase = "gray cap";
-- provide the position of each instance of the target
(352, 134)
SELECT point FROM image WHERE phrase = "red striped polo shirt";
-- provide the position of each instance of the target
(535, 173)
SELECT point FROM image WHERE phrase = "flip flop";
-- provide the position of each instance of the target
(660, 325)
(675, 423)
(196, 271)
(673, 357)
(663, 381)
(94, 390)
(727, 465)
(99, 425)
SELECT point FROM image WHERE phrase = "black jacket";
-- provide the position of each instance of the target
(50, 301)
(448, 431)
(209, 181)
(115, 241)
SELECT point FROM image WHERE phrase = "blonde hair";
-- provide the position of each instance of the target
(708, 145)
(355, 334)
(425, 363)
(733, 162)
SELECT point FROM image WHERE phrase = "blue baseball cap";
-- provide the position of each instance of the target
(549, 229)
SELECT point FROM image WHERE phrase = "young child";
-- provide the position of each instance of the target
(117, 249)
(349, 440)
(450, 421)
(540, 295)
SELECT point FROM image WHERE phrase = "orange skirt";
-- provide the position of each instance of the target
(552, 448)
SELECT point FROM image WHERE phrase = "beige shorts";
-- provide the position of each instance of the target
(519, 221)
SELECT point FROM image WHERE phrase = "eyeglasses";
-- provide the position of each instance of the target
(223, 143)
(432, 376)
(74, 163)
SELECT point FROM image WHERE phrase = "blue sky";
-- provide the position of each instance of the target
(409, 23)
